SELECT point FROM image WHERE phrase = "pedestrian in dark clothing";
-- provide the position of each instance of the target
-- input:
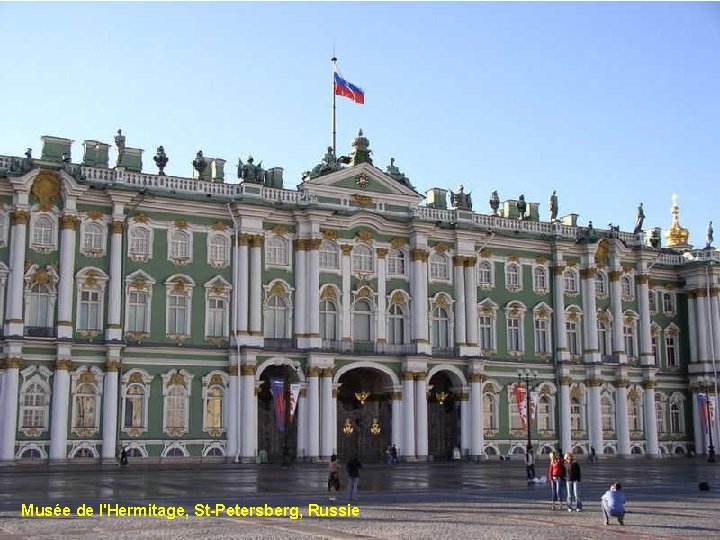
(123, 457)
(353, 470)
(572, 482)
(393, 453)
(530, 464)
(593, 455)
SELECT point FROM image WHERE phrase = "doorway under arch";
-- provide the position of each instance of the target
(277, 430)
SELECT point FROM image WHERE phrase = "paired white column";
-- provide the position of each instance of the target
(10, 384)
(618, 340)
(471, 317)
(587, 280)
(68, 228)
(646, 356)
(313, 402)
(302, 419)
(256, 286)
(698, 428)
(233, 431)
(702, 316)
(421, 416)
(18, 238)
(396, 436)
(346, 316)
(465, 423)
(312, 259)
(408, 406)
(381, 329)
(418, 291)
(714, 322)
(59, 419)
(110, 408)
(459, 282)
(650, 417)
(301, 291)
(327, 415)
(565, 427)
(621, 417)
(692, 326)
(249, 413)
(113, 329)
(561, 342)
(595, 434)
(476, 416)
(242, 287)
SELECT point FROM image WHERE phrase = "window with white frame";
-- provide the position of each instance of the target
(577, 418)
(39, 306)
(93, 236)
(178, 301)
(668, 303)
(177, 386)
(34, 401)
(218, 250)
(626, 288)
(634, 414)
(441, 335)
(490, 411)
(277, 251)
(179, 245)
(140, 242)
(276, 317)
(652, 301)
(134, 406)
(515, 422)
(630, 335)
(216, 317)
(138, 308)
(540, 279)
(396, 263)
(213, 407)
(607, 413)
(601, 286)
(573, 337)
(90, 312)
(660, 414)
(671, 353)
(513, 278)
(328, 255)
(542, 336)
(328, 320)
(570, 281)
(514, 333)
(654, 343)
(545, 414)
(397, 320)
(439, 266)
(484, 271)
(363, 261)
(604, 337)
(487, 316)
(85, 406)
(175, 407)
(43, 231)
(362, 320)
(677, 416)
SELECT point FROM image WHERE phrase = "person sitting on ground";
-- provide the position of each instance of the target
(613, 504)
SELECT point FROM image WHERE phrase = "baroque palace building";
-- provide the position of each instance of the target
(152, 312)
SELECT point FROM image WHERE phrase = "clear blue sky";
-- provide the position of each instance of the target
(610, 104)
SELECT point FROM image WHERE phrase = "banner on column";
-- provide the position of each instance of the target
(277, 388)
(294, 394)
(521, 400)
(703, 409)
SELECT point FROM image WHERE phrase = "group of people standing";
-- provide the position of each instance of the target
(353, 471)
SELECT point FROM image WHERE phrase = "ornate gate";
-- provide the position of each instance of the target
(277, 437)
(443, 418)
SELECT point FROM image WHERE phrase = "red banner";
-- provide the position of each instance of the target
(521, 399)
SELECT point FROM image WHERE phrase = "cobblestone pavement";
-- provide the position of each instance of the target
(428, 500)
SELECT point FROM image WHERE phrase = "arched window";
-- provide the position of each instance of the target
(577, 420)
(626, 287)
(85, 406)
(439, 266)
(179, 245)
(39, 306)
(676, 424)
(362, 319)
(139, 241)
(652, 300)
(276, 251)
(634, 416)
(329, 255)
(178, 314)
(671, 352)
(440, 328)
(660, 416)
(489, 411)
(93, 237)
(216, 316)
(484, 274)
(328, 320)
(541, 316)
(276, 317)
(630, 335)
(545, 414)
(175, 398)
(540, 279)
(175, 452)
(570, 281)
(362, 259)
(668, 303)
(601, 284)
(137, 311)
(515, 337)
(134, 406)
(573, 337)
(607, 413)
(219, 250)
(31, 453)
(34, 406)
(214, 408)
(43, 231)
(604, 337)
(396, 325)
(90, 306)
(512, 276)
(396, 263)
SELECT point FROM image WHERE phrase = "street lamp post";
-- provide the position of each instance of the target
(706, 384)
(527, 376)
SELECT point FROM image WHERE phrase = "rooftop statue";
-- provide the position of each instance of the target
(655, 238)
(395, 173)
(494, 203)
(249, 172)
(553, 203)
(199, 163)
(639, 218)
(709, 236)
(120, 143)
(161, 160)
(521, 208)
(328, 164)
(461, 200)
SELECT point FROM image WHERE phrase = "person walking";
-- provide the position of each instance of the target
(353, 470)
(333, 477)
(613, 504)
(123, 457)
(572, 482)
(593, 456)
(556, 477)
(393, 453)
(530, 464)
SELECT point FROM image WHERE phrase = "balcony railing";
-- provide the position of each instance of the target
(40, 331)
(279, 344)
(363, 346)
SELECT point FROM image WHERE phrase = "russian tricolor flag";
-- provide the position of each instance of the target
(349, 90)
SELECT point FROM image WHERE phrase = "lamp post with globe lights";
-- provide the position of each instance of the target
(706, 384)
(527, 376)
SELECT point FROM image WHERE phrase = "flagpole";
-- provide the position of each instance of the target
(334, 60)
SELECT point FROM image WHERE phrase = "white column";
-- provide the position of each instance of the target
(242, 266)
(651, 435)
(346, 316)
(418, 291)
(312, 259)
(408, 405)
(249, 413)
(256, 286)
(561, 343)
(692, 327)
(621, 418)
(587, 279)
(334, 426)
(421, 416)
(714, 321)
(301, 310)
(110, 409)
(465, 423)
(646, 356)
(618, 341)
(565, 427)
(396, 436)
(10, 406)
(595, 434)
(702, 317)
(326, 415)
(381, 329)
(698, 430)
(313, 439)
(68, 227)
(459, 282)
(471, 317)
(59, 418)
(302, 419)
(18, 234)
(113, 329)
(477, 434)
(233, 404)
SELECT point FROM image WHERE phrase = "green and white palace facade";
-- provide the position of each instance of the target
(151, 312)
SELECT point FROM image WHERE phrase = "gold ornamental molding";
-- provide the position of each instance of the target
(458, 260)
(141, 218)
(69, 222)
(462, 396)
(177, 379)
(233, 370)
(300, 244)
(243, 240)
(94, 215)
(420, 375)
(588, 273)
(419, 255)
(602, 254)
(313, 372)
(63, 363)
(398, 298)
(13, 362)
(303, 392)
(648, 385)
(476, 377)
(112, 366)
(46, 188)
(398, 243)
(113, 326)
(576, 392)
(116, 227)
(382, 252)
(279, 230)
(346, 249)
(559, 268)
(41, 277)
(219, 226)
(364, 235)
(328, 293)
(593, 382)
(87, 377)
(257, 241)
(408, 376)
(470, 261)
(181, 224)
(614, 275)
(441, 247)
(136, 378)
(330, 235)
(541, 259)
(248, 369)
(642, 279)
(396, 396)
(19, 217)
(362, 201)
(485, 253)
(313, 244)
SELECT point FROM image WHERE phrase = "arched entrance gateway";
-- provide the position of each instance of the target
(364, 414)
(443, 416)
(277, 422)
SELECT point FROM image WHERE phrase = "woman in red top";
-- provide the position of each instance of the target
(556, 477)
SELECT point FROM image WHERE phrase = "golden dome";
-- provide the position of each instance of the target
(677, 235)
